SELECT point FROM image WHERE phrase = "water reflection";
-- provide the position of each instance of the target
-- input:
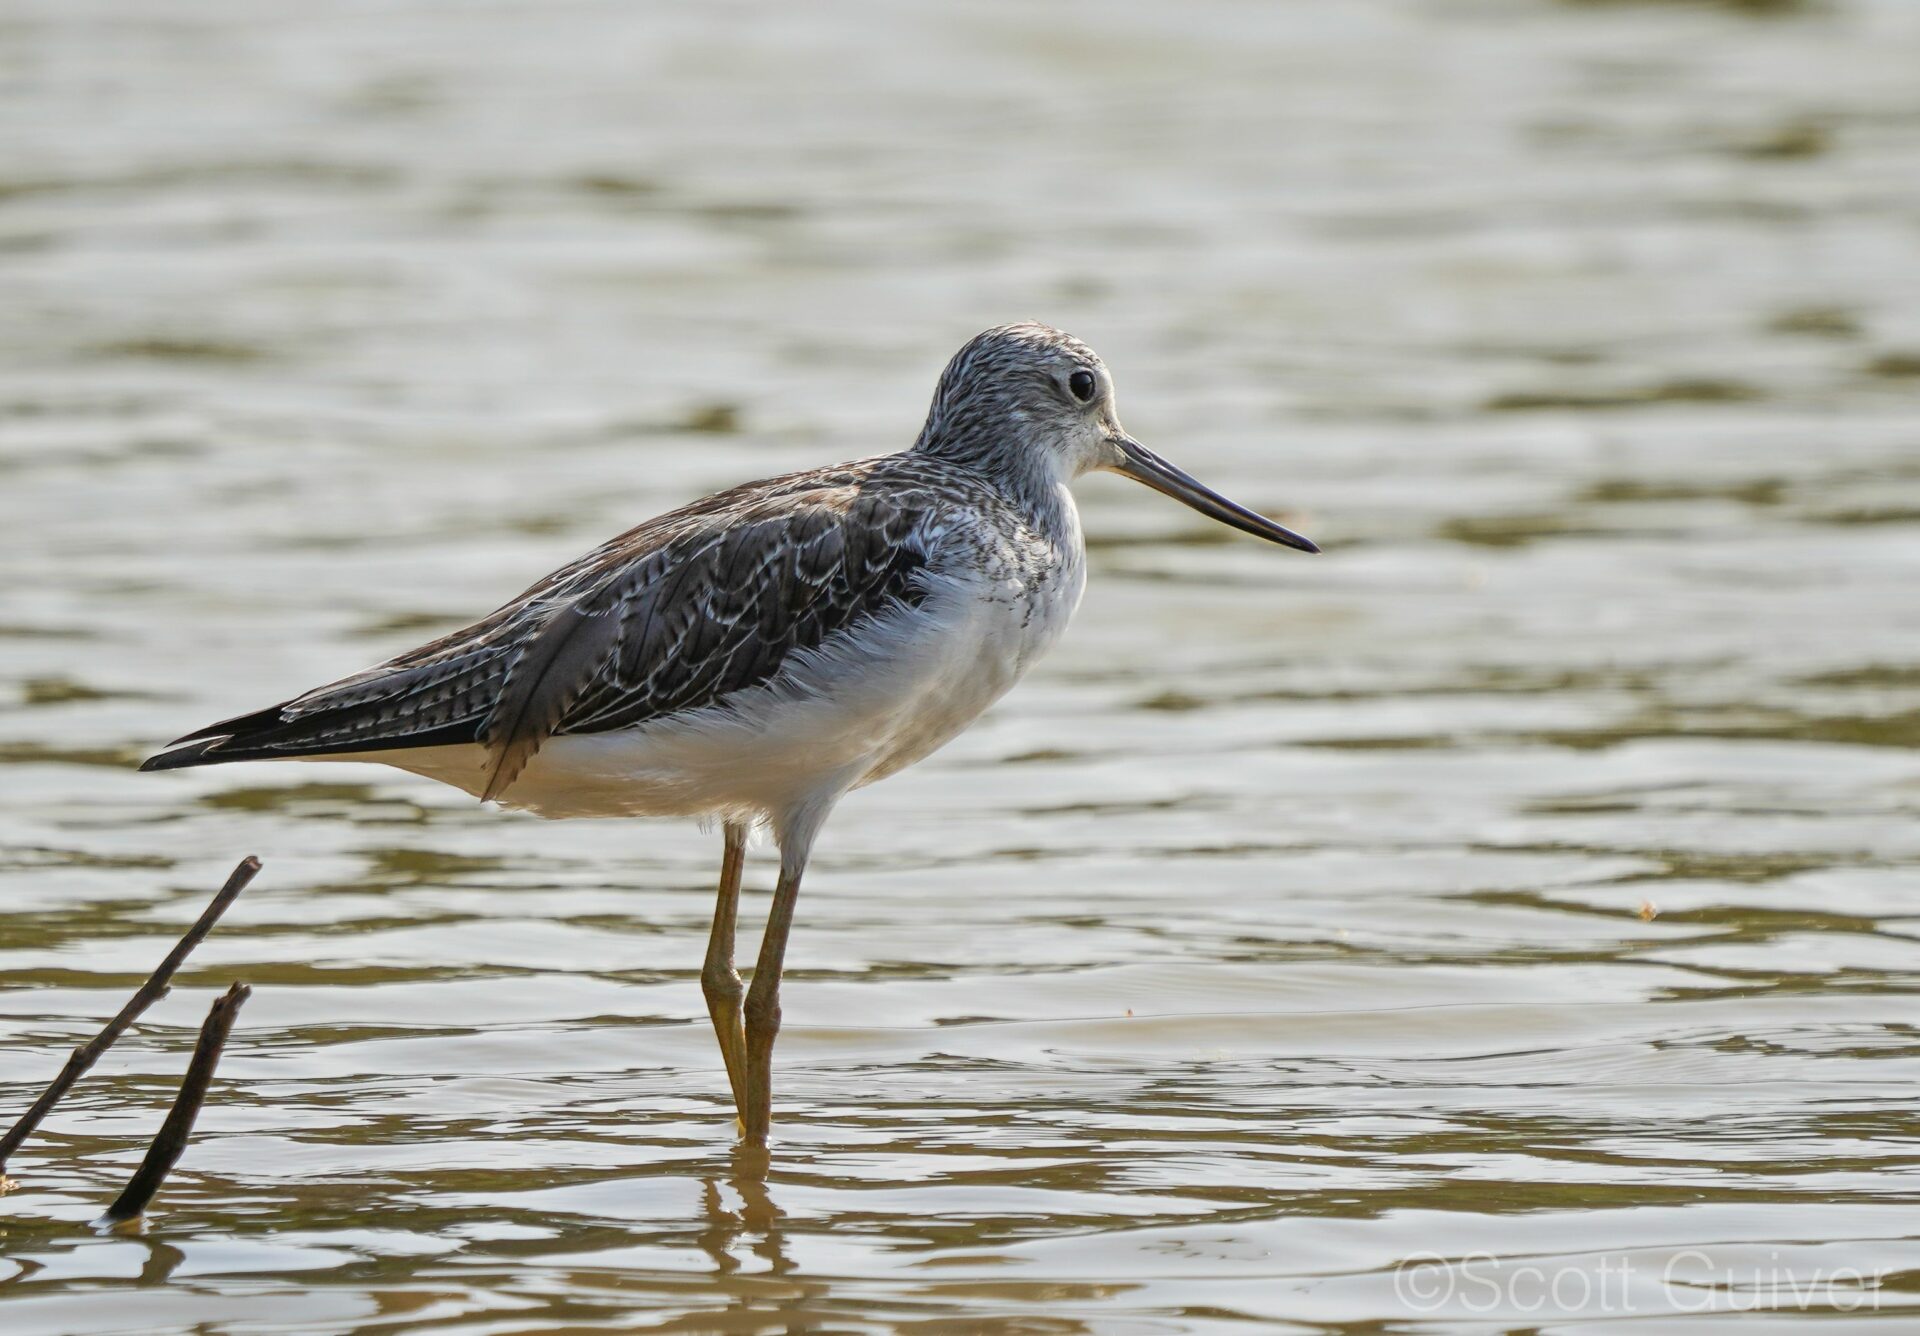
(741, 1215)
(163, 1259)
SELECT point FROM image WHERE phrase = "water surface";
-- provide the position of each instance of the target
(1529, 882)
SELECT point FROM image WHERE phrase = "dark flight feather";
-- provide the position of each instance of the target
(547, 675)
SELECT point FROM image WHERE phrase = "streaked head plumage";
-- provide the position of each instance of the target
(1027, 398)
(1032, 407)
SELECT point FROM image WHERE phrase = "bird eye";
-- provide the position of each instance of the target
(1082, 384)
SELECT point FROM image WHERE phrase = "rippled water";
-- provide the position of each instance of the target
(1529, 882)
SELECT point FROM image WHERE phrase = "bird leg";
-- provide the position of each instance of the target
(763, 1006)
(719, 980)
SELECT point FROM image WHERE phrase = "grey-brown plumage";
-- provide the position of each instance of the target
(676, 614)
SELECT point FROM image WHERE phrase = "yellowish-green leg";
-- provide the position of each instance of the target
(719, 980)
(763, 1007)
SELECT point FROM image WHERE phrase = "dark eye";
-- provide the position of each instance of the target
(1082, 384)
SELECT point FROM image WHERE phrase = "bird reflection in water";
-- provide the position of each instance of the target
(740, 1213)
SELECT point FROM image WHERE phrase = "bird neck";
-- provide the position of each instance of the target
(1040, 504)
(1003, 454)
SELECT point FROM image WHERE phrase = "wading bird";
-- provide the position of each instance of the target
(756, 655)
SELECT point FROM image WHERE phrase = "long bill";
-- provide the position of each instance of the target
(1142, 465)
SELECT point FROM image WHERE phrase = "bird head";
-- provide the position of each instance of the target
(1032, 404)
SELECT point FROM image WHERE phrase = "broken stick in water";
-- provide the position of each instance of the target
(151, 991)
(171, 1139)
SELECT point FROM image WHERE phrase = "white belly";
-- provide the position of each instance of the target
(861, 707)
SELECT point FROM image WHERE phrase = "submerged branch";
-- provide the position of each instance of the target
(151, 991)
(171, 1139)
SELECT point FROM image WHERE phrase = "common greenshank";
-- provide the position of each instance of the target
(758, 654)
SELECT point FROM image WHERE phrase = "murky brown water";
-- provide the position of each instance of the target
(1284, 927)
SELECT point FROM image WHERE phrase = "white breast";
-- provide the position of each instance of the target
(991, 636)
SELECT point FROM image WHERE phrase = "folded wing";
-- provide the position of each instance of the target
(676, 615)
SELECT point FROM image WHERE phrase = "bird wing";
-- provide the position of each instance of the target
(674, 615)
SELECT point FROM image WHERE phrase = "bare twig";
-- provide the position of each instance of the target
(150, 992)
(171, 1139)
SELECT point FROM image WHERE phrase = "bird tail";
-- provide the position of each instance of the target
(279, 733)
(178, 757)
